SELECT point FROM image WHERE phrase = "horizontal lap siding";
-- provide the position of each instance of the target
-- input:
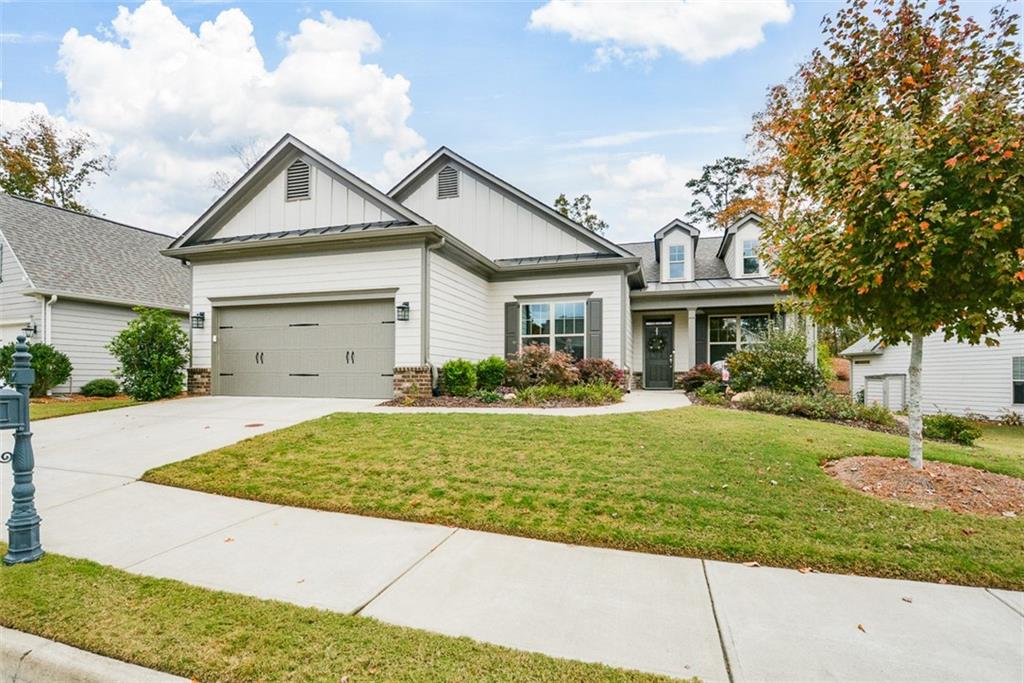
(956, 378)
(15, 307)
(342, 271)
(82, 330)
(459, 313)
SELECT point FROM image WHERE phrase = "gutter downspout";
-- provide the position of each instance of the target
(48, 319)
(425, 308)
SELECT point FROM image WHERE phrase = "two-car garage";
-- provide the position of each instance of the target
(340, 349)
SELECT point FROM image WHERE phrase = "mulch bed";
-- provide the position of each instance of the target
(469, 402)
(938, 485)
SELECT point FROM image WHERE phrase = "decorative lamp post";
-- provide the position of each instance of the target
(23, 526)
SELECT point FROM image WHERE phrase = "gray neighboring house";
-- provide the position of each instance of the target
(74, 278)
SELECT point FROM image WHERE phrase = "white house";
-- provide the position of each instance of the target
(955, 378)
(72, 280)
(312, 282)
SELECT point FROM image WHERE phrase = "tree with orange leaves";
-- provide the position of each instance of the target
(891, 173)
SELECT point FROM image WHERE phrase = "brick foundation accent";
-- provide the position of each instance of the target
(413, 381)
(199, 382)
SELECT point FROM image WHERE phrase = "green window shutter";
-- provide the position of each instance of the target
(594, 323)
(511, 328)
(701, 321)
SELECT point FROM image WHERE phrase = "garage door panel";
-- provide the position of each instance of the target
(339, 349)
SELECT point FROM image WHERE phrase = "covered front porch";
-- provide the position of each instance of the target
(671, 333)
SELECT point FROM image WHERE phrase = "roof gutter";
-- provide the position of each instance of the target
(100, 299)
(719, 291)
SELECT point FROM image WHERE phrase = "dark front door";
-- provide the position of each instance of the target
(658, 354)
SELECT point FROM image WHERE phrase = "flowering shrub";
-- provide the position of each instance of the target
(538, 364)
(599, 371)
(697, 376)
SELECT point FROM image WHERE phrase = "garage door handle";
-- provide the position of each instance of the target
(353, 356)
(347, 357)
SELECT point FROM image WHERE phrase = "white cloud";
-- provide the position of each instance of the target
(169, 103)
(643, 194)
(630, 136)
(696, 30)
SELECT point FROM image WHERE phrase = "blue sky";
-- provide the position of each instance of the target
(537, 105)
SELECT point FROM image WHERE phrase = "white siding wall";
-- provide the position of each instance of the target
(82, 330)
(956, 378)
(734, 258)
(492, 223)
(459, 312)
(607, 287)
(677, 238)
(304, 274)
(331, 202)
(15, 307)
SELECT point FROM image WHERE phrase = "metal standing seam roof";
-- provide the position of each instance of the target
(559, 258)
(306, 232)
(64, 251)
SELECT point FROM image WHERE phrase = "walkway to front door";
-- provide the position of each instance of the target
(658, 354)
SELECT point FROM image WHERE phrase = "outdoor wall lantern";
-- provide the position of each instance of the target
(30, 329)
(402, 311)
(199, 320)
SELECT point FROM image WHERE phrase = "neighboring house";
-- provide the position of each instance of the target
(315, 283)
(73, 280)
(955, 378)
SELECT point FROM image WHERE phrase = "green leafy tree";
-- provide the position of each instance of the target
(723, 186)
(902, 136)
(152, 351)
(39, 162)
(579, 210)
(52, 367)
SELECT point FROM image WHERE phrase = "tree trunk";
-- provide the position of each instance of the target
(914, 402)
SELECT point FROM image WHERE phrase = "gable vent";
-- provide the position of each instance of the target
(298, 181)
(447, 183)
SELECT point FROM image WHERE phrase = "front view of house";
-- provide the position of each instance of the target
(308, 281)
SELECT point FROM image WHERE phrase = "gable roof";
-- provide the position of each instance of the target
(865, 346)
(262, 169)
(73, 254)
(444, 154)
(673, 225)
(734, 226)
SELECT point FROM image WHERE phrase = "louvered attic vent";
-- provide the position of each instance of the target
(447, 183)
(298, 181)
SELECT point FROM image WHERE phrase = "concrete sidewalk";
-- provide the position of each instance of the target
(677, 616)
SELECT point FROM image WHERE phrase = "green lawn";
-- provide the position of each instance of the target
(1002, 439)
(701, 482)
(213, 636)
(43, 411)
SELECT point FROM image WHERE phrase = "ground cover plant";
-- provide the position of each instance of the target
(701, 481)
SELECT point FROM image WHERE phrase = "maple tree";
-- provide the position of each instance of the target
(890, 170)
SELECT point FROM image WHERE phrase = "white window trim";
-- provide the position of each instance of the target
(669, 261)
(1014, 380)
(738, 344)
(742, 264)
(551, 317)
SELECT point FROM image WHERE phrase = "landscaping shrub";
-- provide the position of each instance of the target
(951, 428)
(712, 392)
(821, 406)
(828, 374)
(538, 364)
(100, 387)
(152, 351)
(697, 376)
(1010, 418)
(599, 371)
(588, 394)
(52, 367)
(488, 396)
(779, 363)
(458, 377)
(490, 373)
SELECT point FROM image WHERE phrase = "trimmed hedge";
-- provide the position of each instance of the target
(490, 373)
(458, 377)
(52, 367)
(103, 387)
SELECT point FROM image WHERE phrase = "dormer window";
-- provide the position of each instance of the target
(677, 261)
(751, 266)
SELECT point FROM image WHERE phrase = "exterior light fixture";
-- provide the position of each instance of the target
(199, 320)
(402, 311)
(30, 329)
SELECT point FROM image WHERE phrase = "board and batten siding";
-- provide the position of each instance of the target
(955, 378)
(82, 330)
(459, 312)
(555, 289)
(493, 223)
(344, 271)
(331, 202)
(15, 307)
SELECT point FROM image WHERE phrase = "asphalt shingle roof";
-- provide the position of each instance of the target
(706, 263)
(78, 254)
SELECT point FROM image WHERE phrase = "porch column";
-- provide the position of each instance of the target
(691, 337)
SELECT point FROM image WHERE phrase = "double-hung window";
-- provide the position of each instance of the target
(751, 266)
(730, 333)
(1018, 379)
(559, 325)
(677, 261)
